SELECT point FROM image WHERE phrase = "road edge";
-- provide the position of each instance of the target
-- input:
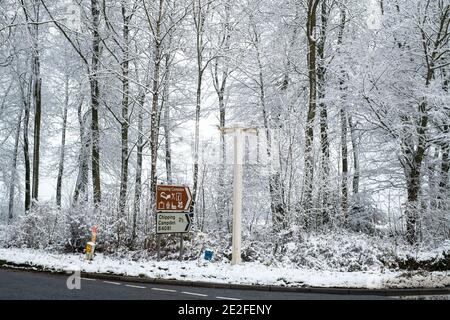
(204, 284)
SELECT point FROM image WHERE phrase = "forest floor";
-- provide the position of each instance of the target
(251, 273)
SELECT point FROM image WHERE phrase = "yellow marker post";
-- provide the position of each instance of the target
(94, 233)
(90, 246)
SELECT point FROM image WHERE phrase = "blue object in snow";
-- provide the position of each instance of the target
(208, 255)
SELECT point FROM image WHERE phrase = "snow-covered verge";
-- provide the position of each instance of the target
(347, 251)
(220, 272)
(335, 249)
(332, 251)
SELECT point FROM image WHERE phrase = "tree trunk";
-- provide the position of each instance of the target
(355, 148)
(222, 197)
(26, 152)
(413, 174)
(63, 146)
(294, 37)
(95, 102)
(432, 171)
(219, 86)
(344, 126)
(199, 19)
(344, 153)
(37, 130)
(125, 119)
(138, 178)
(311, 115)
(12, 185)
(83, 166)
(154, 133)
(167, 122)
(445, 161)
(32, 23)
(197, 135)
(324, 143)
(413, 206)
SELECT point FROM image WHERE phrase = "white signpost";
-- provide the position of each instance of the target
(168, 222)
(239, 133)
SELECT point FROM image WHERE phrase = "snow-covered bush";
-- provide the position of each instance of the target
(364, 216)
(42, 227)
(77, 227)
(67, 229)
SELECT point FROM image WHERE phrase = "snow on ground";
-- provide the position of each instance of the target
(220, 272)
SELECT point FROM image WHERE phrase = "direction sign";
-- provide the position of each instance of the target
(173, 198)
(172, 222)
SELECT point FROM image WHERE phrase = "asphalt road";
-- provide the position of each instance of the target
(23, 285)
